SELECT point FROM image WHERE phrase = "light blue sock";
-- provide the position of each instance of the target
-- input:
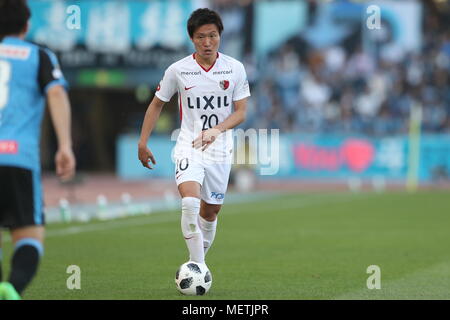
(30, 242)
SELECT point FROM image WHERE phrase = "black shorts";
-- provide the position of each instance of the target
(21, 201)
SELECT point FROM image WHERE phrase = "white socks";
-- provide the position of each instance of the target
(190, 209)
(209, 232)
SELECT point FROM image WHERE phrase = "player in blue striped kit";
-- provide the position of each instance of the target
(28, 76)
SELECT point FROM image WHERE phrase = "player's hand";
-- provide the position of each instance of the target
(205, 138)
(65, 163)
(145, 156)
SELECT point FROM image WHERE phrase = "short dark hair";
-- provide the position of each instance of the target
(14, 16)
(201, 17)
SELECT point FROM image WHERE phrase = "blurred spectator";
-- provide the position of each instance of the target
(335, 91)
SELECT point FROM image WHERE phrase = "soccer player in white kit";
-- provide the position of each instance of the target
(212, 96)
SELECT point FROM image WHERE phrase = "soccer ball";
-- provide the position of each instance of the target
(193, 279)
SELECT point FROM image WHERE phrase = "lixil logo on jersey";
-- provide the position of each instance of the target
(224, 84)
(206, 102)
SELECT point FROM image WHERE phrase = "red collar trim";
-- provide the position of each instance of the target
(206, 70)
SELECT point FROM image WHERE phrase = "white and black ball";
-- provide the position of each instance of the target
(193, 278)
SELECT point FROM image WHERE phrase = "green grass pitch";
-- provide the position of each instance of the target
(293, 247)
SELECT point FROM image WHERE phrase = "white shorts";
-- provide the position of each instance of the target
(213, 177)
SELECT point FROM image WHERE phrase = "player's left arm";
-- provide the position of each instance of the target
(60, 113)
(54, 86)
(207, 137)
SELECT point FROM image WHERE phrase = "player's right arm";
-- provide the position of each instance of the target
(166, 89)
(150, 119)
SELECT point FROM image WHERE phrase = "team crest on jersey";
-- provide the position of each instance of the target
(224, 84)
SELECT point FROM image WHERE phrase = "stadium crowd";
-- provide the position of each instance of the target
(333, 91)
(342, 89)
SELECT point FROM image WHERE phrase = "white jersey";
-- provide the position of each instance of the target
(205, 99)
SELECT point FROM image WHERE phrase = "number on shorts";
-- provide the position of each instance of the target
(182, 165)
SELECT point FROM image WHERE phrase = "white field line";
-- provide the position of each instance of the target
(148, 220)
